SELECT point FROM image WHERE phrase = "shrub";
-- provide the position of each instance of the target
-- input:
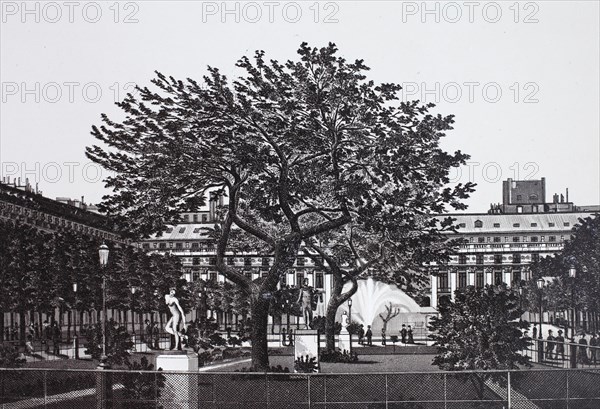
(273, 369)
(118, 343)
(142, 388)
(10, 357)
(306, 365)
(339, 356)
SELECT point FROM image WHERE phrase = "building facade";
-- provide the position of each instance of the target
(26, 205)
(498, 246)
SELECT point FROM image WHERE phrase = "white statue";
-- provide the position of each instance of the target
(177, 315)
(345, 322)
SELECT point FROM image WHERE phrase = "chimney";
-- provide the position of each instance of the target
(36, 187)
(567, 192)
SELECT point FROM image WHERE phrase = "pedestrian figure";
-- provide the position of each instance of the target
(148, 333)
(409, 333)
(383, 336)
(549, 345)
(291, 337)
(156, 335)
(284, 337)
(582, 350)
(594, 343)
(560, 345)
(55, 339)
(29, 345)
(369, 335)
(403, 333)
(46, 336)
(361, 334)
(534, 331)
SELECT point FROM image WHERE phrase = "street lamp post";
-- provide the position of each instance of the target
(103, 377)
(573, 274)
(287, 311)
(103, 254)
(133, 290)
(540, 285)
(350, 320)
(75, 338)
(521, 298)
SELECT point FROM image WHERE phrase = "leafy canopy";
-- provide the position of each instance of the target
(481, 329)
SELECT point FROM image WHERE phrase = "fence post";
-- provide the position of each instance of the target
(386, 391)
(509, 390)
(445, 392)
(45, 388)
(540, 351)
(267, 385)
(308, 387)
(567, 373)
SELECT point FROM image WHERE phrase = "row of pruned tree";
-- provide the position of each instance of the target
(38, 269)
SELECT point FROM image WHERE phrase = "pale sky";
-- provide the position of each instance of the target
(521, 78)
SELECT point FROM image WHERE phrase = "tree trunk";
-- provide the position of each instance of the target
(40, 325)
(332, 308)
(259, 316)
(22, 327)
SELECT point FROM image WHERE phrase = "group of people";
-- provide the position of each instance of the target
(366, 338)
(556, 346)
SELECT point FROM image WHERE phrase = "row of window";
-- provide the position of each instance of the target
(319, 281)
(479, 258)
(462, 282)
(515, 239)
(248, 261)
(479, 224)
(49, 221)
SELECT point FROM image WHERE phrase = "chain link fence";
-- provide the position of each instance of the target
(555, 388)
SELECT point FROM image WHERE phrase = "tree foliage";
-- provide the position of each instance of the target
(481, 329)
(38, 268)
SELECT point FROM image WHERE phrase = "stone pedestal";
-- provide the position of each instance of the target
(180, 390)
(306, 342)
(344, 341)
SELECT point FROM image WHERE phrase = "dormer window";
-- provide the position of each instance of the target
(478, 223)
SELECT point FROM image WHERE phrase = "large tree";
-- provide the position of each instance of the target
(299, 149)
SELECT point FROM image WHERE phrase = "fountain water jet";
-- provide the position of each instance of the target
(371, 298)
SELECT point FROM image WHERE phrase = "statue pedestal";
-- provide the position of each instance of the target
(306, 342)
(344, 341)
(180, 390)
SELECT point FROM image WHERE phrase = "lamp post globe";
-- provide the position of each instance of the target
(103, 256)
(540, 285)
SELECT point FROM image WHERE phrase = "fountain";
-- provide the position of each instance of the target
(372, 297)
